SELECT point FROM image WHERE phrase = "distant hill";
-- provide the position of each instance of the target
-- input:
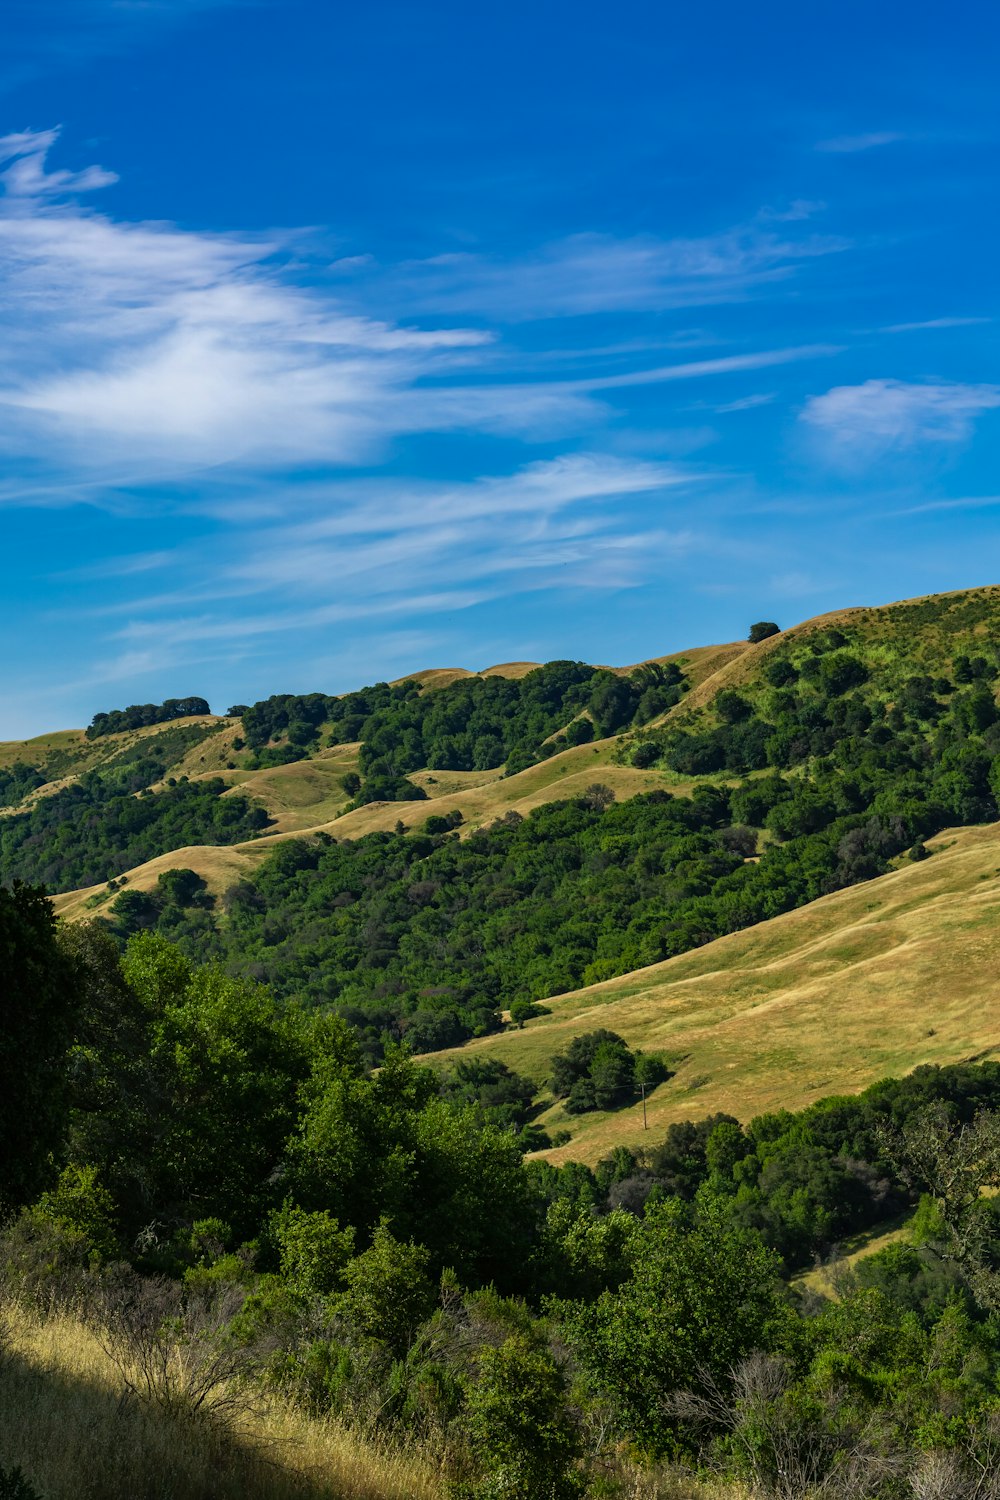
(422, 854)
(860, 985)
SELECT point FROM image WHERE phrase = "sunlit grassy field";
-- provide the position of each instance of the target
(62, 1420)
(862, 984)
(64, 1423)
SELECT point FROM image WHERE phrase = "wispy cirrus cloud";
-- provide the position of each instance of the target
(965, 502)
(588, 273)
(137, 353)
(195, 376)
(382, 537)
(933, 323)
(378, 550)
(882, 416)
(847, 145)
(128, 345)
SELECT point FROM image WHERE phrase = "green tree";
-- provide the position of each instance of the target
(700, 1296)
(223, 1074)
(518, 1425)
(39, 1000)
(956, 1164)
(761, 630)
(313, 1249)
(388, 1292)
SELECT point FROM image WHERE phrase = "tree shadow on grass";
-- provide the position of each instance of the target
(75, 1438)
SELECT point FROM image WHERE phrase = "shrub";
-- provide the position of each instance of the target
(522, 1440)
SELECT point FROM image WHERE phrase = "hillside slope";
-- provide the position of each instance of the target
(303, 799)
(908, 636)
(868, 982)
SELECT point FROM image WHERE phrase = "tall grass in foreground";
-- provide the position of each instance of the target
(63, 1421)
(67, 1421)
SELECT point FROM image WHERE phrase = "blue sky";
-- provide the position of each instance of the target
(337, 341)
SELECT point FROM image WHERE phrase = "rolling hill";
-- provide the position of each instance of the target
(863, 984)
(867, 730)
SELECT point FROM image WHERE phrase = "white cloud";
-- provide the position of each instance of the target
(727, 364)
(23, 155)
(966, 502)
(375, 550)
(589, 273)
(881, 416)
(142, 353)
(141, 347)
(747, 403)
(845, 145)
(931, 323)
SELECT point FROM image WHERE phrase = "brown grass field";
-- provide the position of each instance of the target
(304, 798)
(856, 986)
(64, 1423)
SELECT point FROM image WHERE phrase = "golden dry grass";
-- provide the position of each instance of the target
(825, 1279)
(866, 983)
(482, 796)
(304, 794)
(62, 1422)
(303, 798)
(84, 754)
(440, 677)
(37, 750)
(218, 865)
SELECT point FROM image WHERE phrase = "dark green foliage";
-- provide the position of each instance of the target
(388, 1291)
(92, 830)
(505, 1098)
(38, 1003)
(761, 630)
(474, 724)
(522, 1011)
(14, 1486)
(425, 938)
(681, 1162)
(387, 1146)
(373, 1233)
(700, 1296)
(520, 1431)
(139, 715)
(597, 1071)
(17, 781)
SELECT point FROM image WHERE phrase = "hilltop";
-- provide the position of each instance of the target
(427, 853)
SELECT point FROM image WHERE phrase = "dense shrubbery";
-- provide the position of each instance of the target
(474, 724)
(427, 937)
(139, 715)
(17, 781)
(822, 702)
(92, 830)
(377, 1250)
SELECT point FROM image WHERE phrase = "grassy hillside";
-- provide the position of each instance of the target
(66, 1422)
(895, 641)
(813, 761)
(865, 983)
(305, 798)
(67, 754)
